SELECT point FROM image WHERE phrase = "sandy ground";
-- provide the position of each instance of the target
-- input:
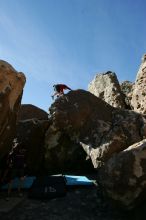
(80, 203)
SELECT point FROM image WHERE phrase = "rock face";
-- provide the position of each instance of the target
(11, 89)
(106, 87)
(64, 155)
(127, 89)
(31, 135)
(100, 129)
(124, 175)
(32, 125)
(139, 93)
(28, 111)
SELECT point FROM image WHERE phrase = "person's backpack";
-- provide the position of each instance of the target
(48, 187)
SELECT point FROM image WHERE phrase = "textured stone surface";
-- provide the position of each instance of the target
(31, 135)
(127, 89)
(124, 176)
(127, 127)
(64, 155)
(28, 111)
(11, 88)
(106, 87)
(138, 100)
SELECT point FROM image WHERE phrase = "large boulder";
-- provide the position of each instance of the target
(11, 89)
(99, 128)
(107, 87)
(138, 100)
(70, 125)
(123, 178)
(28, 111)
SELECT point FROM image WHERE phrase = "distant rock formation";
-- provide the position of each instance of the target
(11, 89)
(28, 111)
(107, 87)
(138, 100)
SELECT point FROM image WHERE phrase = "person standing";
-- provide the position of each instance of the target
(16, 168)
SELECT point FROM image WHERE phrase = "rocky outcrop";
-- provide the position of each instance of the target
(123, 177)
(31, 136)
(138, 100)
(28, 111)
(101, 129)
(11, 89)
(106, 87)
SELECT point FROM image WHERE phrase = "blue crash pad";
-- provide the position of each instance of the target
(28, 181)
(70, 181)
(78, 180)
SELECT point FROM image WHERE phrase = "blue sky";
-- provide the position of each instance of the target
(69, 41)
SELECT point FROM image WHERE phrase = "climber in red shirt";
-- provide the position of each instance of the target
(59, 90)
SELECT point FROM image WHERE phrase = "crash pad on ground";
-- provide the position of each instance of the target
(70, 181)
(28, 181)
(78, 180)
